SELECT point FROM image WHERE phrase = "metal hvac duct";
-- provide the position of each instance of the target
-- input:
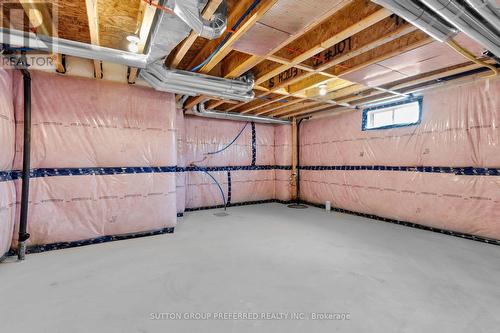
(192, 84)
(199, 110)
(467, 21)
(188, 11)
(488, 10)
(167, 33)
(421, 17)
(65, 46)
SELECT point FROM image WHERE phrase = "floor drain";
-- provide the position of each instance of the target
(297, 206)
(221, 214)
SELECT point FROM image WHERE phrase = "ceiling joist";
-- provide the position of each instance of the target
(93, 17)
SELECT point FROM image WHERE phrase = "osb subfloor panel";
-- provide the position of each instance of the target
(265, 258)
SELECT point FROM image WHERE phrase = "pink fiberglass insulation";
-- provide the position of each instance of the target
(459, 128)
(283, 157)
(7, 214)
(89, 125)
(7, 145)
(204, 136)
(467, 204)
(79, 122)
(65, 209)
(253, 150)
(423, 59)
(7, 121)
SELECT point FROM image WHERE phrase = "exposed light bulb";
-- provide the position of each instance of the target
(323, 89)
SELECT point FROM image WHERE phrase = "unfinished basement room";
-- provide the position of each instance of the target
(249, 166)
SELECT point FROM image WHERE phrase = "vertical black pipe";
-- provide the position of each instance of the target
(25, 190)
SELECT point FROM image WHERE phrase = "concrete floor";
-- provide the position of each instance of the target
(260, 259)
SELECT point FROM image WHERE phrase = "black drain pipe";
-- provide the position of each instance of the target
(25, 191)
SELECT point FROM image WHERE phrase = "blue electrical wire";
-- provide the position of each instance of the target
(229, 145)
(224, 41)
(220, 188)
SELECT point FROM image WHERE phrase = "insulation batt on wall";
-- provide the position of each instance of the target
(101, 138)
(7, 144)
(111, 159)
(459, 129)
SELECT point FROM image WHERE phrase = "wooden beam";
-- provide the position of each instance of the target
(214, 104)
(352, 23)
(207, 13)
(307, 111)
(93, 18)
(278, 107)
(270, 101)
(294, 159)
(295, 108)
(194, 101)
(41, 20)
(403, 44)
(300, 80)
(223, 51)
(401, 85)
(254, 60)
(247, 62)
(364, 41)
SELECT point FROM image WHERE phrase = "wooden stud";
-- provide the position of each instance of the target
(93, 17)
(294, 159)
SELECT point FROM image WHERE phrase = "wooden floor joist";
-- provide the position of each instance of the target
(93, 17)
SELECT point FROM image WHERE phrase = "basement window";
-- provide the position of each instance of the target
(407, 112)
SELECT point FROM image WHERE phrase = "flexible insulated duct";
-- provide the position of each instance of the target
(420, 17)
(199, 110)
(465, 19)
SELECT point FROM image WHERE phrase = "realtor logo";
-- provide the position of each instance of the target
(26, 27)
